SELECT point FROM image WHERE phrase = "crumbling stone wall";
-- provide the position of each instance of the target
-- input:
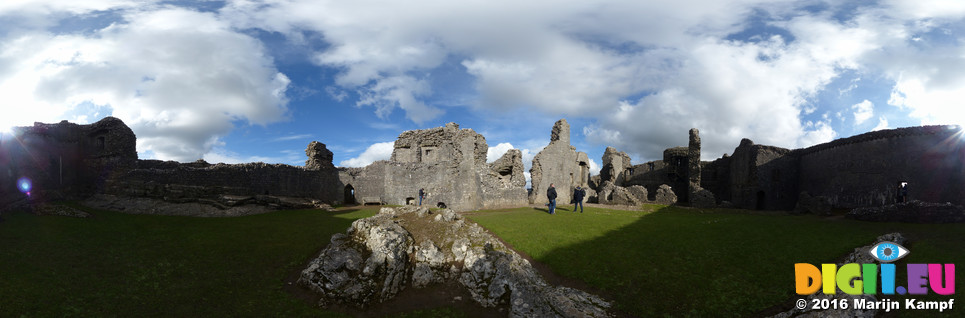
(449, 163)
(64, 160)
(693, 169)
(759, 177)
(616, 166)
(559, 164)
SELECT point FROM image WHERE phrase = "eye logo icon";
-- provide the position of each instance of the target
(887, 252)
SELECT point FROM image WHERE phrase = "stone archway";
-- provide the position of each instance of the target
(349, 194)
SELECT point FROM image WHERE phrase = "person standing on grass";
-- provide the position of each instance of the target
(551, 195)
(578, 195)
(422, 195)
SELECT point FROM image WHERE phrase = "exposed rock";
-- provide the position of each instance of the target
(702, 198)
(559, 164)
(860, 255)
(816, 205)
(665, 195)
(912, 212)
(378, 257)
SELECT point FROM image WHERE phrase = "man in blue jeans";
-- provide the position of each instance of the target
(422, 194)
(551, 195)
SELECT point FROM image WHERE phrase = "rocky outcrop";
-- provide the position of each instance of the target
(860, 255)
(665, 195)
(380, 256)
(911, 212)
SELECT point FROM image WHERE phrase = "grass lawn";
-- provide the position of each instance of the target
(125, 265)
(671, 261)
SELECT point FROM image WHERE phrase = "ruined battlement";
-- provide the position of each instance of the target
(440, 144)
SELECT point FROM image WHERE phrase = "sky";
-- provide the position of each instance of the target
(257, 80)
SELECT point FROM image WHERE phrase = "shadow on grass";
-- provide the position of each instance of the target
(689, 262)
(118, 264)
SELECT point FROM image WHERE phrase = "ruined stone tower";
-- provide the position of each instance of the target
(560, 164)
(616, 166)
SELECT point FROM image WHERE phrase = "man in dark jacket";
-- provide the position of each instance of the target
(551, 195)
(578, 195)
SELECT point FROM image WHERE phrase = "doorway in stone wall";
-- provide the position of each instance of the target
(760, 200)
(349, 194)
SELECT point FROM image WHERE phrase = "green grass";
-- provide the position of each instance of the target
(686, 262)
(142, 265)
(672, 262)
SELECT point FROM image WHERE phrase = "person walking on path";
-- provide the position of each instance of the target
(551, 195)
(578, 195)
(422, 195)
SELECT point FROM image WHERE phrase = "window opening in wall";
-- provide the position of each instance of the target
(101, 143)
(410, 201)
(650, 165)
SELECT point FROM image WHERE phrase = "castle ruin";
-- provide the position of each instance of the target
(71, 161)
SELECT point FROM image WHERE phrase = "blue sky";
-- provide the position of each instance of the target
(250, 80)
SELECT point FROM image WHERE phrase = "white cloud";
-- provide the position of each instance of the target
(375, 152)
(882, 124)
(179, 78)
(221, 155)
(292, 137)
(498, 151)
(862, 111)
(594, 168)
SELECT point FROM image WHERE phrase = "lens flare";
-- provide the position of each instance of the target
(24, 185)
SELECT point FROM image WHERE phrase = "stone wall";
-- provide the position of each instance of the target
(650, 175)
(193, 181)
(559, 164)
(64, 160)
(865, 170)
(449, 163)
(756, 181)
